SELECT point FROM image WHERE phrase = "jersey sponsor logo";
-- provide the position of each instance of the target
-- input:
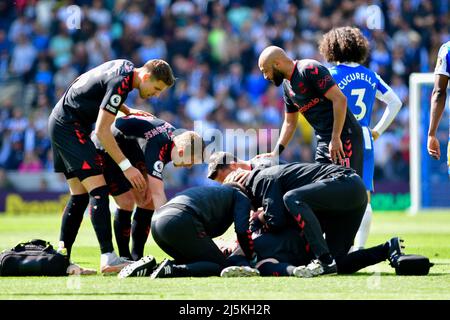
(110, 108)
(309, 105)
(158, 166)
(115, 100)
(156, 131)
(322, 83)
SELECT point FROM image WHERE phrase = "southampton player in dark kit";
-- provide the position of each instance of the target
(150, 143)
(184, 228)
(310, 89)
(93, 100)
(317, 198)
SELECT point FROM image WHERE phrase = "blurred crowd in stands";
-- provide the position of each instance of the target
(213, 47)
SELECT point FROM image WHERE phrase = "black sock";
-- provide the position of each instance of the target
(357, 260)
(139, 231)
(101, 217)
(122, 231)
(197, 269)
(276, 269)
(71, 219)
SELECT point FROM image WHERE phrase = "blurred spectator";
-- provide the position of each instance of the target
(213, 47)
(30, 163)
(23, 56)
(200, 105)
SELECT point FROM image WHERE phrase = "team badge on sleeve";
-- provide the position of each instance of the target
(158, 166)
(115, 100)
(158, 169)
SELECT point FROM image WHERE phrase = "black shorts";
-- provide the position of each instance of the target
(74, 153)
(353, 147)
(114, 177)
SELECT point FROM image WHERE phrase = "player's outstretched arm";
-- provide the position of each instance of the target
(104, 134)
(438, 98)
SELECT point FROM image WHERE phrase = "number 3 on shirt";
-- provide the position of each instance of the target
(359, 102)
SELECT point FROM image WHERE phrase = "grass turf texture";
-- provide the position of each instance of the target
(427, 234)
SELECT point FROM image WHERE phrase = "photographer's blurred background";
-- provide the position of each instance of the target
(213, 48)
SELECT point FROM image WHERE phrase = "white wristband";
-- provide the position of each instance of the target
(125, 165)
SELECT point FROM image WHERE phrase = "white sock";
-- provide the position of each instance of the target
(364, 229)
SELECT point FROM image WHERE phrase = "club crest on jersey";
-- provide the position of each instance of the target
(158, 166)
(115, 100)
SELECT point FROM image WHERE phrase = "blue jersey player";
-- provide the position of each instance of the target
(442, 75)
(348, 48)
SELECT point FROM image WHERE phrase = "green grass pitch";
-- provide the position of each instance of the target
(427, 234)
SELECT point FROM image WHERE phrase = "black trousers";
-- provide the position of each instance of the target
(337, 204)
(287, 246)
(178, 233)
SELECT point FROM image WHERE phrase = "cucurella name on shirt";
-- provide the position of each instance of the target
(356, 76)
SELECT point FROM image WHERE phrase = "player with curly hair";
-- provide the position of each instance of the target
(348, 49)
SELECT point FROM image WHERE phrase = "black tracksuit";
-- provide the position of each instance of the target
(318, 198)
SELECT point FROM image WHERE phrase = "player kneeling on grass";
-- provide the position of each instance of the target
(150, 143)
(316, 199)
(184, 228)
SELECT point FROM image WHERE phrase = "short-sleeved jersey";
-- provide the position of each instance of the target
(153, 135)
(443, 60)
(361, 86)
(305, 92)
(104, 87)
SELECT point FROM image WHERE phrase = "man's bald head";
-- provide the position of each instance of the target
(273, 63)
(270, 54)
